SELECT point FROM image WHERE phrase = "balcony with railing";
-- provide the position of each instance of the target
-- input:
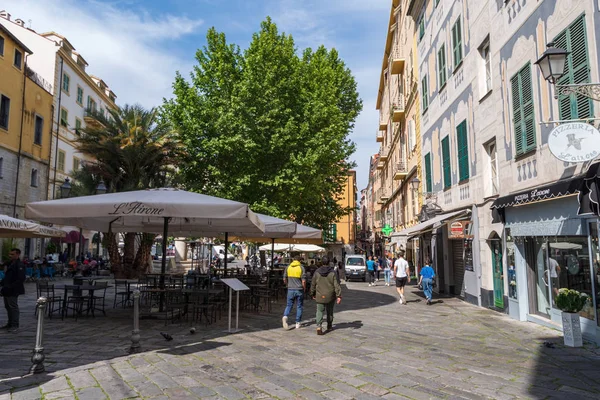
(383, 120)
(384, 196)
(380, 136)
(383, 154)
(397, 62)
(398, 111)
(400, 170)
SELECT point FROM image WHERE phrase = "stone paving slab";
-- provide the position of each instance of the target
(378, 349)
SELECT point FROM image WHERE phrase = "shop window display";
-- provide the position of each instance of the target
(596, 265)
(512, 272)
(569, 267)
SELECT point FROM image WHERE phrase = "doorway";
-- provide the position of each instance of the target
(498, 271)
(538, 285)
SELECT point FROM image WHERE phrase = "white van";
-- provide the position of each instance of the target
(356, 267)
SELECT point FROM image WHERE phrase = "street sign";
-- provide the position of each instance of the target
(574, 142)
(387, 230)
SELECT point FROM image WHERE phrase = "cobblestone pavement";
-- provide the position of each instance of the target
(378, 349)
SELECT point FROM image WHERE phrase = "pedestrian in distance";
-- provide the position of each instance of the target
(402, 273)
(387, 272)
(12, 287)
(326, 291)
(426, 279)
(294, 277)
(380, 265)
(371, 267)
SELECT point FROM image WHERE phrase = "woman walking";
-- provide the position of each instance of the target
(387, 271)
(426, 279)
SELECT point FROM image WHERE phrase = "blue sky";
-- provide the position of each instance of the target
(137, 45)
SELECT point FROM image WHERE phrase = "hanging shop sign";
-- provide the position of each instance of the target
(575, 142)
(459, 230)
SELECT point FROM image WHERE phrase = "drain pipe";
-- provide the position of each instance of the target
(20, 138)
(49, 154)
(57, 127)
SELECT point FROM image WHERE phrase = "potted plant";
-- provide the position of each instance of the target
(570, 302)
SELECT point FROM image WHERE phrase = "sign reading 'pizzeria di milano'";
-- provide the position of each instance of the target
(574, 142)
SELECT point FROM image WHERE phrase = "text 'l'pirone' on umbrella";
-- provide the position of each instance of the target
(165, 211)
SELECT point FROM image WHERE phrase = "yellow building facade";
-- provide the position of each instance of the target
(397, 204)
(341, 237)
(25, 128)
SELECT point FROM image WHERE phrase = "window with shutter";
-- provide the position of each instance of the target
(463, 151)
(457, 43)
(577, 70)
(446, 162)
(428, 181)
(523, 113)
(424, 93)
(442, 65)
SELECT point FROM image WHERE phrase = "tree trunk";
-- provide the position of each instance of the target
(129, 256)
(110, 242)
(143, 257)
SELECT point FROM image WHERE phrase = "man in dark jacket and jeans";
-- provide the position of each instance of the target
(325, 289)
(12, 287)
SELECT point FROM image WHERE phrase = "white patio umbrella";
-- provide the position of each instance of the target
(162, 210)
(304, 248)
(18, 228)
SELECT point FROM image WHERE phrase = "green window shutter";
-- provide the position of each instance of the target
(523, 113)
(442, 65)
(577, 70)
(463, 151)
(517, 115)
(425, 94)
(428, 181)
(421, 28)
(446, 162)
(457, 43)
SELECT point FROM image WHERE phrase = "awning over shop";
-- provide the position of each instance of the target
(551, 191)
(405, 234)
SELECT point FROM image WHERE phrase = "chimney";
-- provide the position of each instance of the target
(4, 14)
(20, 22)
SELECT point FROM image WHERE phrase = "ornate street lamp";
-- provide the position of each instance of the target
(552, 63)
(65, 188)
(415, 184)
(101, 188)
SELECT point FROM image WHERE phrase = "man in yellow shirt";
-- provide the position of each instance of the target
(294, 277)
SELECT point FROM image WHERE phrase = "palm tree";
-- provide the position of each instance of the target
(133, 149)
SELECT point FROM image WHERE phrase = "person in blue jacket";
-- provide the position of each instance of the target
(426, 279)
(371, 268)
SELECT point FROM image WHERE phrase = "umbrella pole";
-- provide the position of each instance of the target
(225, 258)
(81, 245)
(163, 266)
(272, 254)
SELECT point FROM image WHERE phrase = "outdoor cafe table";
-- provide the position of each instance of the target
(88, 287)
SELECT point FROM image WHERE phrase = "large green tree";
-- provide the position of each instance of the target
(266, 125)
(133, 149)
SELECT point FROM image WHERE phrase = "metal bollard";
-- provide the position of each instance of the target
(135, 334)
(38, 357)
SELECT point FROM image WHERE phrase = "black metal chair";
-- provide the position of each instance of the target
(97, 300)
(122, 293)
(45, 289)
(75, 301)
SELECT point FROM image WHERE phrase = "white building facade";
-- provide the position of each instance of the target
(506, 233)
(74, 90)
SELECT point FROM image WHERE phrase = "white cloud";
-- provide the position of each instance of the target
(129, 51)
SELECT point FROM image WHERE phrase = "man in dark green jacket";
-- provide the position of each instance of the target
(12, 288)
(326, 291)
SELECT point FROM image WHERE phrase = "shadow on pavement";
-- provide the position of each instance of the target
(560, 371)
(88, 343)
